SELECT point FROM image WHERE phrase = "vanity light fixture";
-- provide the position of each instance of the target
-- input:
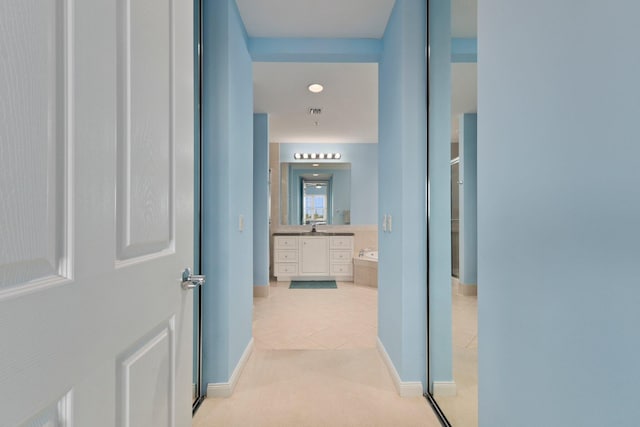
(315, 88)
(316, 174)
(314, 156)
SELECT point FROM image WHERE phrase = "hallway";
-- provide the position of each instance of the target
(315, 363)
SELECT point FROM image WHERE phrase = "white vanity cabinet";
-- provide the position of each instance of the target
(306, 256)
(341, 254)
(285, 256)
(314, 256)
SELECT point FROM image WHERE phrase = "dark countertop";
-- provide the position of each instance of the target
(310, 233)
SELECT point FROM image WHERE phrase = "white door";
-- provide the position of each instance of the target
(96, 212)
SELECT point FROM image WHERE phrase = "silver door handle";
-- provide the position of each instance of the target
(190, 281)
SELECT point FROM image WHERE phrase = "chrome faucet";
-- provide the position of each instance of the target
(313, 228)
(362, 251)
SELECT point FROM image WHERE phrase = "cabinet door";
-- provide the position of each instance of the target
(314, 256)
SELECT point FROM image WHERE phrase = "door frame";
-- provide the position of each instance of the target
(198, 195)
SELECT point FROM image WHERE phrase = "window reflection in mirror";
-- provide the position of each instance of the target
(315, 195)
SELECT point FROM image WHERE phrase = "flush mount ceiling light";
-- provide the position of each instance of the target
(314, 156)
(315, 88)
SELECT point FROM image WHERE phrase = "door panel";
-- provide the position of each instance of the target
(145, 142)
(146, 377)
(96, 223)
(32, 250)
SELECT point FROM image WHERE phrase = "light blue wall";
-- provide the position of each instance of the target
(402, 190)
(261, 200)
(228, 190)
(341, 196)
(440, 345)
(464, 50)
(558, 213)
(314, 50)
(364, 174)
(468, 143)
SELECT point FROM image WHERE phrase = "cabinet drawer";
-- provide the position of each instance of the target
(341, 242)
(342, 269)
(286, 242)
(286, 269)
(287, 256)
(341, 256)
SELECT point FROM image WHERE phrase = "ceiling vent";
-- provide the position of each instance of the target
(314, 111)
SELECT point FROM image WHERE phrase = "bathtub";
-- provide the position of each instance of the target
(365, 269)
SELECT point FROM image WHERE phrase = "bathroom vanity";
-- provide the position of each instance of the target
(310, 256)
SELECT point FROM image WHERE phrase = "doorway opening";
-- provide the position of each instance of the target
(323, 162)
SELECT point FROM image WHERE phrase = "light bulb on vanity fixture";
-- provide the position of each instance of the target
(317, 156)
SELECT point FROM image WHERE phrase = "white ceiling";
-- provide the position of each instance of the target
(313, 18)
(464, 93)
(350, 98)
(349, 101)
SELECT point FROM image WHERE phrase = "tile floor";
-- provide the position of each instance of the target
(462, 409)
(316, 319)
(315, 364)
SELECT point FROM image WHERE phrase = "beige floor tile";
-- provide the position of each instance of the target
(315, 388)
(316, 319)
(315, 363)
(462, 410)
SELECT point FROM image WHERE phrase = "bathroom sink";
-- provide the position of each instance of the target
(311, 233)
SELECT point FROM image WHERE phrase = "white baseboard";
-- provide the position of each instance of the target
(226, 389)
(455, 283)
(404, 388)
(445, 388)
(261, 291)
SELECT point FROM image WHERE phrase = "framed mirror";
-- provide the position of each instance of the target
(315, 193)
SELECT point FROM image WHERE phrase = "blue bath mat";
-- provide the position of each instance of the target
(313, 284)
